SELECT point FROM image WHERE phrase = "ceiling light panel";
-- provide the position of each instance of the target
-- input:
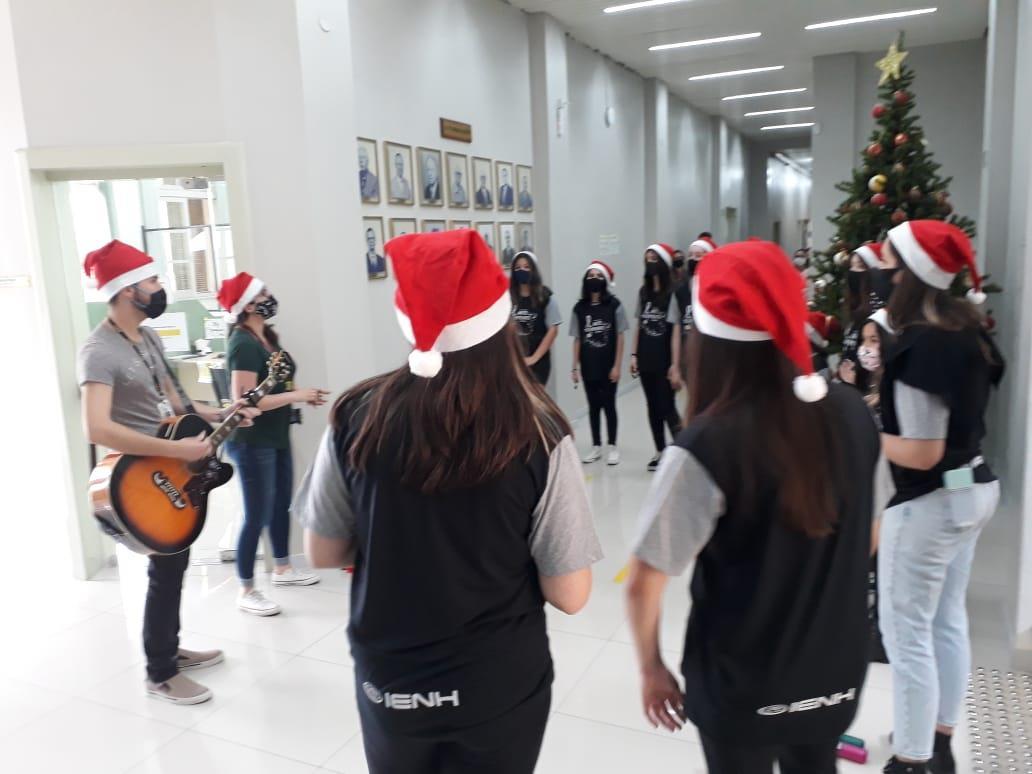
(732, 73)
(785, 126)
(764, 94)
(705, 41)
(639, 6)
(875, 18)
(779, 110)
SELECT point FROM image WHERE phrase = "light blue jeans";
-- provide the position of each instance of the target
(924, 565)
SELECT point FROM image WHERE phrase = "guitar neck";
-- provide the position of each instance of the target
(230, 423)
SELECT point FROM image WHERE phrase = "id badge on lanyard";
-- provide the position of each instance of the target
(165, 409)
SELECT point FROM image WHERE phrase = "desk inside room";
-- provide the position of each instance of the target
(204, 377)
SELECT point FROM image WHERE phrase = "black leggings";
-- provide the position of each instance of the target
(659, 397)
(732, 758)
(601, 397)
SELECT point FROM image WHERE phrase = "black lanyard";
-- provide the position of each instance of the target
(146, 361)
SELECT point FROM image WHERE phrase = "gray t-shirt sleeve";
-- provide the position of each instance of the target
(673, 315)
(97, 363)
(575, 330)
(562, 535)
(680, 513)
(922, 416)
(884, 488)
(323, 503)
(552, 314)
(621, 319)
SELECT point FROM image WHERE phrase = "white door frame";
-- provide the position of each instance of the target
(55, 268)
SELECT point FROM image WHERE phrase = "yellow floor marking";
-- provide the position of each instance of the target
(622, 575)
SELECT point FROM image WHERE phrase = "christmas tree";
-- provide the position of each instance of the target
(897, 180)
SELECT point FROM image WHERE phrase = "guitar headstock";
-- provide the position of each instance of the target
(279, 367)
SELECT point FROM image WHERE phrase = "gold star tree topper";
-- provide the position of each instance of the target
(891, 65)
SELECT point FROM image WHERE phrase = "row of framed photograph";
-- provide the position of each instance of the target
(499, 185)
(506, 239)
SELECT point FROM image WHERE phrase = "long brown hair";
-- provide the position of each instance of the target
(914, 302)
(780, 438)
(270, 333)
(460, 429)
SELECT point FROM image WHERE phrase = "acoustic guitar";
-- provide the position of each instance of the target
(158, 505)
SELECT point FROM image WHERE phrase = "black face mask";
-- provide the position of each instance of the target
(853, 280)
(881, 283)
(679, 264)
(156, 303)
(522, 276)
(595, 284)
(652, 269)
(267, 309)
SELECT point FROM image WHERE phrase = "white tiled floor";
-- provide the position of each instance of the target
(71, 672)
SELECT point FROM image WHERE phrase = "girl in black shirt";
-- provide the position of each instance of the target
(535, 314)
(651, 353)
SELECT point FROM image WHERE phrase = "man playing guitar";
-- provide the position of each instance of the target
(128, 391)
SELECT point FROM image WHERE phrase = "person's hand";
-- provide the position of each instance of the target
(847, 372)
(530, 361)
(674, 375)
(872, 400)
(244, 407)
(192, 449)
(661, 698)
(575, 375)
(313, 396)
(614, 375)
(634, 366)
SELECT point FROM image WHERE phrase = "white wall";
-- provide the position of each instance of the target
(788, 201)
(949, 86)
(689, 192)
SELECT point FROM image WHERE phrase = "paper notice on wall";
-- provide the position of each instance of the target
(214, 328)
(608, 245)
(171, 328)
(15, 281)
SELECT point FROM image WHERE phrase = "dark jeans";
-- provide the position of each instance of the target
(732, 758)
(659, 397)
(507, 745)
(601, 397)
(161, 614)
(267, 481)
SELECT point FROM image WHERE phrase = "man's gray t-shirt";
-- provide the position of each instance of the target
(107, 358)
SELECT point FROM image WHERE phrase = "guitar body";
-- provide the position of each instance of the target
(157, 505)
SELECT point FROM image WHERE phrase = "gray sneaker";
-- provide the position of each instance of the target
(198, 659)
(179, 690)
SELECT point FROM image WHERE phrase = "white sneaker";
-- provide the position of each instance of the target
(613, 458)
(592, 456)
(291, 577)
(255, 602)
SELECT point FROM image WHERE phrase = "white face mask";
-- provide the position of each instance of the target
(870, 359)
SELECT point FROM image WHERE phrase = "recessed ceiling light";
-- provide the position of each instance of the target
(874, 18)
(731, 73)
(779, 110)
(785, 126)
(764, 94)
(705, 41)
(639, 5)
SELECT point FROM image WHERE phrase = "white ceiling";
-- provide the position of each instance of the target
(626, 37)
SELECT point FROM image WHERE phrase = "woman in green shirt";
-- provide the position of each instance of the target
(261, 453)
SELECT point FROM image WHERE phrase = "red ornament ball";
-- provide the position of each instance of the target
(879, 110)
(901, 139)
(990, 322)
(898, 217)
(901, 97)
(879, 200)
(875, 149)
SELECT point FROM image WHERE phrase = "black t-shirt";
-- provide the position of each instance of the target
(776, 648)
(683, 297)
(597, 326)
(953, 366)
(531, 320)
(654, 332)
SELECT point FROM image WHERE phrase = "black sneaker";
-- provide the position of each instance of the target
(653, 464)
(897, 767)
(942, 759)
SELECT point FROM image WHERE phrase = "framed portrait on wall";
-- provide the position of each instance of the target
(483, 179)
(402, 226)
(506, 194)
(431, 187)
(433, 226)
(458, 181)
(372, 234)
(506, 249)
(368, 171)
(524, 189)
(487, 231)
(397, 162)
(525, 236)
(454, 225)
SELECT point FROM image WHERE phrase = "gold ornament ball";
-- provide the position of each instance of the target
(878, 183)
(899, 168)
(841, 257)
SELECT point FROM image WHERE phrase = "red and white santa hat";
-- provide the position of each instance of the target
(116, 266)
(526, 254)
(664, 251)
(936, 252)
(452, 294)
(237, 292)
(750, 291)
(817, 324)
(870, 254)
(607, 272)
(881, 319)
(705, 244)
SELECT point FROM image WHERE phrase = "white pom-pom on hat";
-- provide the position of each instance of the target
(810, 388)
(976, 296)
(425, 364)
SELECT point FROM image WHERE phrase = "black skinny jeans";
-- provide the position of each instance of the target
(731, 758)
(601, 397)
(659, 397)
(161, 614)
